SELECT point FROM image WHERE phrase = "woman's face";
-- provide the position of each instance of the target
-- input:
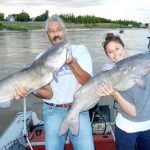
(115, 51)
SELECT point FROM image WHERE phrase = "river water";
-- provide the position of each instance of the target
(20, 48)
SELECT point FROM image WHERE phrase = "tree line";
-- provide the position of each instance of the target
(24, 17)
(70, 18)
(88, 19)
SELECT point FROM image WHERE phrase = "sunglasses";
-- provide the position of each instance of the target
(115, 37)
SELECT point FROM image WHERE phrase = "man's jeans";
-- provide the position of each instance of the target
(53, 118)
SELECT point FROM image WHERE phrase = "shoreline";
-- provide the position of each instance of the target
(73, 29)
(27, 26)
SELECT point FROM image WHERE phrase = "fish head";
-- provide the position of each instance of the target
(57, 57)
(140, 64)
(137, 65)
(130, 71)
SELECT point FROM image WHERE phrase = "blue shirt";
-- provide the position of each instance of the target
(140, 98)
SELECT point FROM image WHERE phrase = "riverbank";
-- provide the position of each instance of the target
(26, 26)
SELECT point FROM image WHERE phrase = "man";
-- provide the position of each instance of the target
(58, 96)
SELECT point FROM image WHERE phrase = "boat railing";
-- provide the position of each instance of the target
(16, 144)
(148, 44)
(100, 118)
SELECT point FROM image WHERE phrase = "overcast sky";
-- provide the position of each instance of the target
(137, 10)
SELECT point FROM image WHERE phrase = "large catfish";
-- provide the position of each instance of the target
(123, 76)
(41, 72)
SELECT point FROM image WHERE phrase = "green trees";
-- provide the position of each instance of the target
(88, 19)
(23, 17)
(42, 17)
(70, 18)
(1, 17)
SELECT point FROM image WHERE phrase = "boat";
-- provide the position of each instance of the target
(121, 31)
(148, 44)
(16, 138)
(26, 132)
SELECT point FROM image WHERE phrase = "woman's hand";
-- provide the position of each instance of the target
(106, 90)
(20, 92)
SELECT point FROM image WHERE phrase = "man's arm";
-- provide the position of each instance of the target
(82, 67)
(81, 75)
(44, 93)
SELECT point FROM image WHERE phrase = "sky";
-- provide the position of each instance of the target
(136, 10)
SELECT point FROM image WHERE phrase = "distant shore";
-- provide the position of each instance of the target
(26, 26)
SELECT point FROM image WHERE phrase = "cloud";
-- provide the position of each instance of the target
(66, 3)
(137, 10)
(79, 3)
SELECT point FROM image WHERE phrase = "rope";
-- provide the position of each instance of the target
(25, 125)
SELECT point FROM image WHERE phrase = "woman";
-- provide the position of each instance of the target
(133, 119)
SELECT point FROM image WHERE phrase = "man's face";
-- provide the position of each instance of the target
(56, 33)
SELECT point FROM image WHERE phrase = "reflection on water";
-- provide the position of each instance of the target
(20, 48)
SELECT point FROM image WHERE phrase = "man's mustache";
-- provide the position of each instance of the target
(56, 37)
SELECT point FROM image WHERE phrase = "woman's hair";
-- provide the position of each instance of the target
(54, 18)
(111, 37)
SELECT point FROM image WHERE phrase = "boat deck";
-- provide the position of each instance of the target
(36, 135)
(102, 142)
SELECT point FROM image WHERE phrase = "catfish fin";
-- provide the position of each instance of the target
(6, 104)
(55, 76)
(64, 127)
(91, 105)
(140, 82)
(72, 125)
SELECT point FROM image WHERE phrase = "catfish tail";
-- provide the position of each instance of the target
(72, 125)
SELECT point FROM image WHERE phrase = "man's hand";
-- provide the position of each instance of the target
(20, 92)
(70, 59)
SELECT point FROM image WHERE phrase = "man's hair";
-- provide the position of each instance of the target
(54, 18)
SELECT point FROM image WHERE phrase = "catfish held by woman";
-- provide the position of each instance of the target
(123, 76)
